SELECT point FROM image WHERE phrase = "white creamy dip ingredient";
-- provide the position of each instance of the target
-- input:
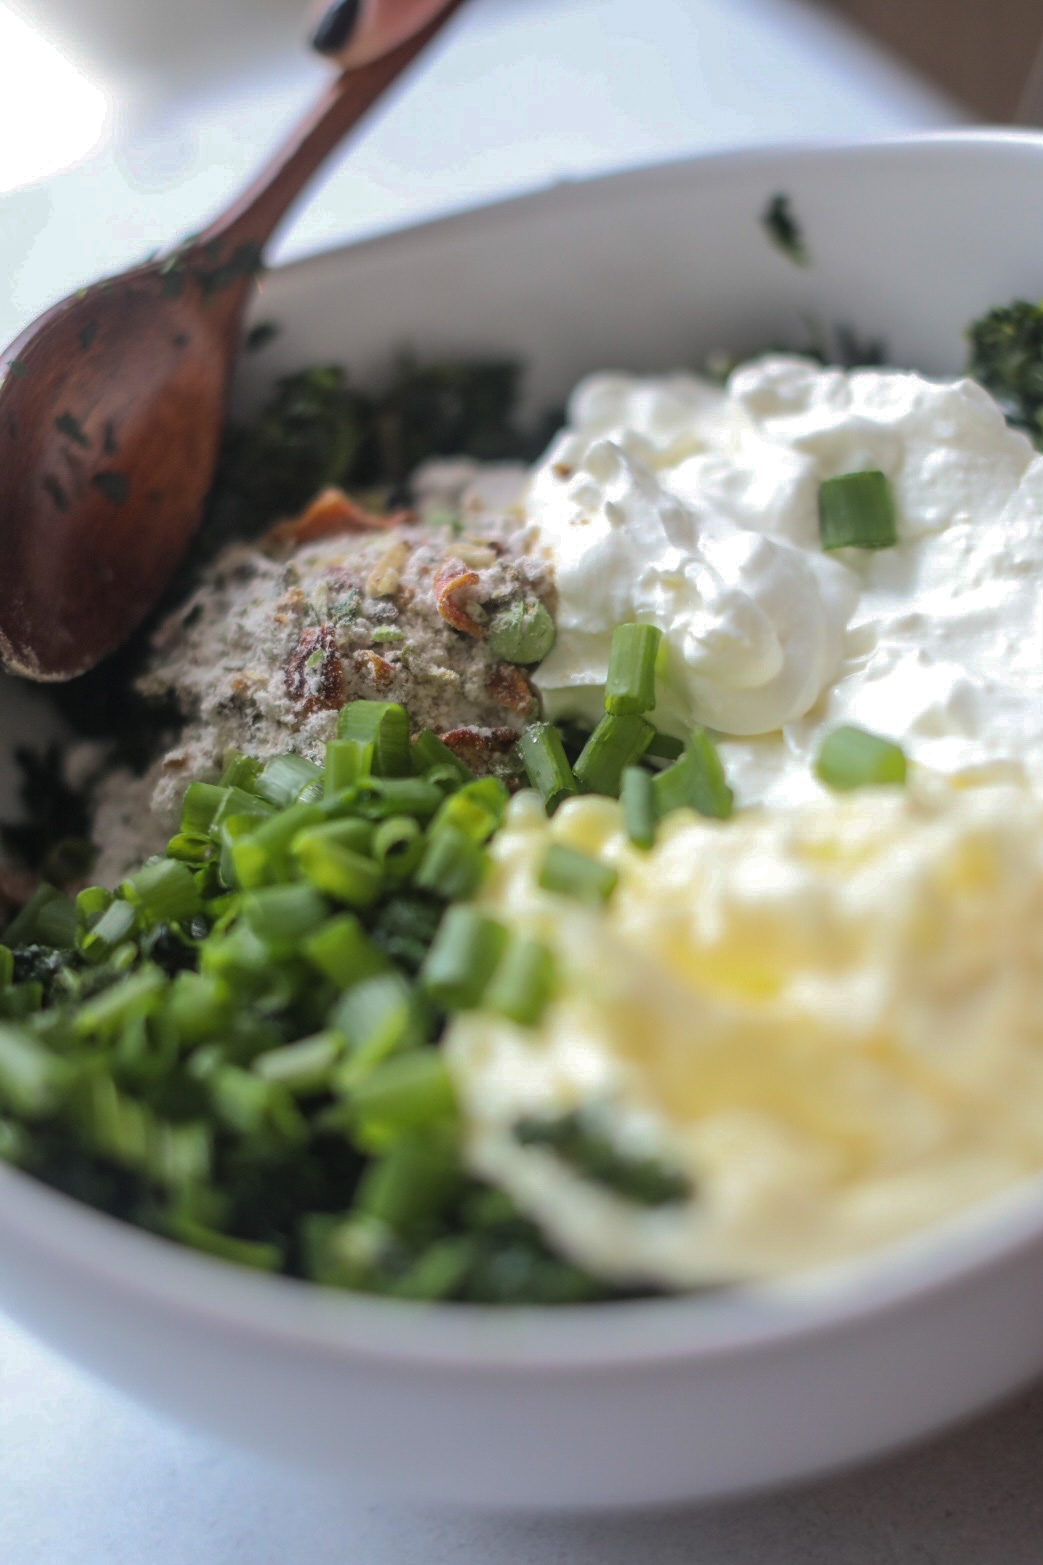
(676, 503)
(829, 1017)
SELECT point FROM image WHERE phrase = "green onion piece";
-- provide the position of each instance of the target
(21, 1000)
(32, 1081)
(523, 984)
(522, 632)
(695, 782)
(476, 809)
(857, 510)
(6, 967)
(199, 806)
(405, 927)
(91, 903)
(353, 1252)
(378, 1017)
(111, 929)
(237, 802)
(262, 856)
(546, 765)
(243, 1252)
(664, 747)
(343, 952)
(240, 771)
(302, 1067)
(438, 1272)
(853, 758)
(576, 874)
(105, 1013)
(428, 751)
(340, 872)
(189, 848)
(411, 1091)
(250, 1106)
(199, 1005)
(410, 1187)
(283, 915)
(383, 724)
(453, 867)
(640, 815)
(615, 744)
(164, 892)
(579, 1141)
(282, 779)
(349, 831)
(465, 954)
(630, 686)
(47, 919)
(381, 797)
(398, 846)
(181, 1156)
(348, 761)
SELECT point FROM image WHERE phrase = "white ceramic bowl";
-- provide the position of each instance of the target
(649, 1402)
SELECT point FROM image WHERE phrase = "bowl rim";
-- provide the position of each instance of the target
(589, 1337)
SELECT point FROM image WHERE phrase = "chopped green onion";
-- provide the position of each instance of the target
(348, 761)
(463, 958)
(438, 1272)
(262, 856)
(398, 846)
(523, 984)
(615, 744)
(453, 867)
(6, 966)
(111, 929)
(857, 510)
(137, 995)
(302, 1067)
(585, 1146)
(640, 814)
(378, 1017)
(343, 951)
(262, 1257)
(409, 1187)
(282, 779)
(383, 724)
(240, 771)
(429, 751)
(664, 747)
(522, 632)
(48, 918)
(340, 872)
(380, 797)
(411, 1091)
(199, 1005)
(543, 756)
(574, 874)
(284, 915)
(164, 892)
(853, 758)
(477, 809)
(189, 848)
(695, 782)
(630, 687)
(200, 804)
(32, 1080)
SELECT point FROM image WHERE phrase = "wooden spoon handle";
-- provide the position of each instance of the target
(255, 214)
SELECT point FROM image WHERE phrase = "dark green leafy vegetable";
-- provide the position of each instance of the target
(1006, 356)
(784, 231)
(580, 1140)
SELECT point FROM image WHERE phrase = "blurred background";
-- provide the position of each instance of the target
(124, 123)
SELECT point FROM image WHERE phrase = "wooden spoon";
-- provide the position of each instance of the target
(111, 407)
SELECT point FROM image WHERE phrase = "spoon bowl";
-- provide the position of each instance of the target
(111, 408)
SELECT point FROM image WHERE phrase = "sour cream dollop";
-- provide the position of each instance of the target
(694, 508)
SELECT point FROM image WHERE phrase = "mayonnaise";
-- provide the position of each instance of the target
(828, 1017)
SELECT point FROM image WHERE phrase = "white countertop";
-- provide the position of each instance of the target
(524, 91)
